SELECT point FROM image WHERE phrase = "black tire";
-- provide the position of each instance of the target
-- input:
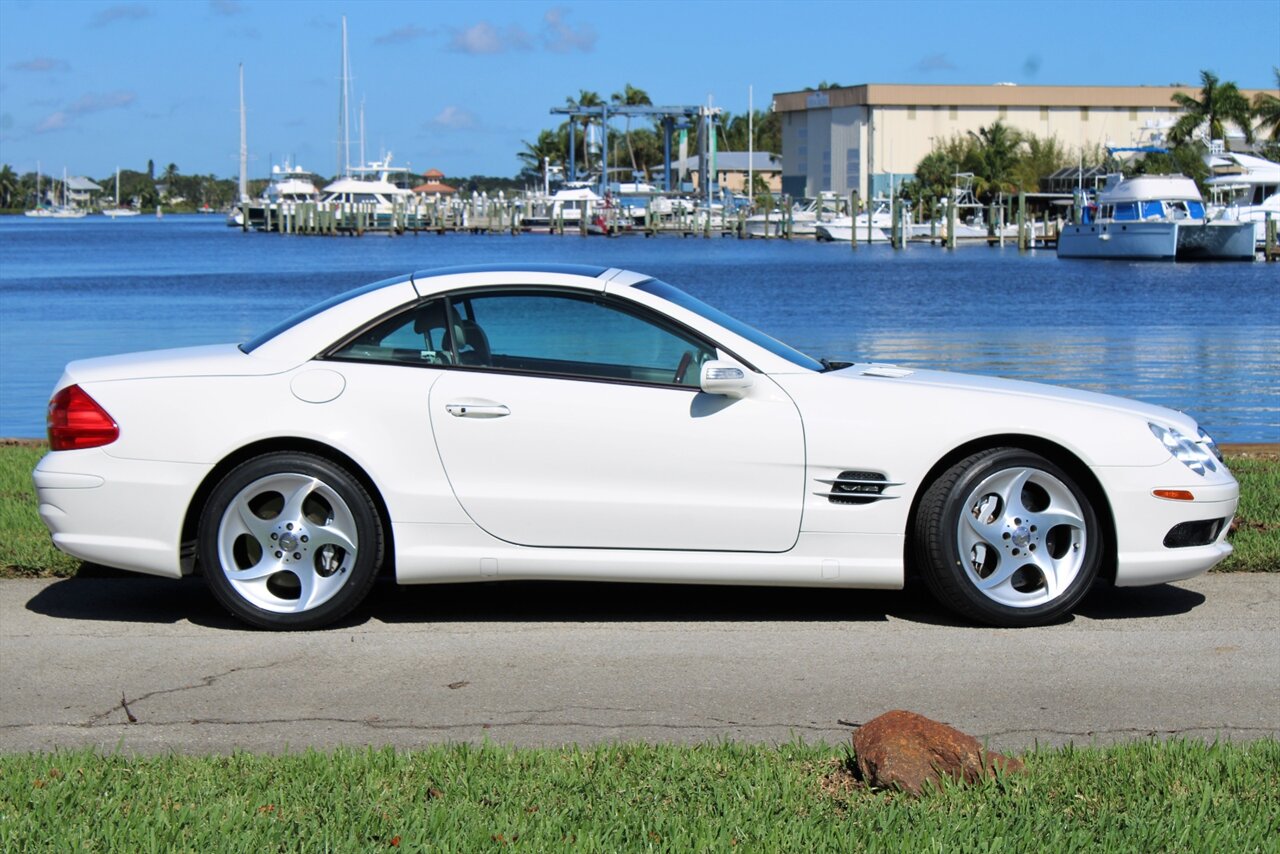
(1007, 538)
(285, 527)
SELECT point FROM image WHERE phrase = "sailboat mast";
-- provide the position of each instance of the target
(344, 110)
(244, 148)
(751, 141)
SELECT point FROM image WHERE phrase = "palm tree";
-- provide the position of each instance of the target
(1218, 103)
(550, 145)
(8, 184)
(630, 96)
(167, 178)
(1267, 108)
(994, 159)
(586, 98)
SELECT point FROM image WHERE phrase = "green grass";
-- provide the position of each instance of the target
(1257, 534)
(1146, 796)
(25, 548)
(26, 552)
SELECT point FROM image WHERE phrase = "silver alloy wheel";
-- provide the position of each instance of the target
(287, 543)
(1022, 537)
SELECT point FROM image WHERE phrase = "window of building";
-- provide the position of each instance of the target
(911, 114)
(1003, 112)
(1084, 114)
(1133, 114)
(953, 113)
(1044, 114)
(852, 168)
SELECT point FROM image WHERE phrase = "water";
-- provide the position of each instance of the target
(1199, 337)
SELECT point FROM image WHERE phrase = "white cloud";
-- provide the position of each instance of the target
(126, 12)
(935, 62)
(226, 7)
(559, 37)
(401, 35)
(485, 38)
(41, 64)
(82, 106)
(454, 118)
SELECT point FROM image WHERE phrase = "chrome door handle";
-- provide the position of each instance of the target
(476, 410)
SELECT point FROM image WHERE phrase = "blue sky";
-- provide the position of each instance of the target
(457, 86)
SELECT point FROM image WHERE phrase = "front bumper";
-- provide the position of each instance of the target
(1144, 522)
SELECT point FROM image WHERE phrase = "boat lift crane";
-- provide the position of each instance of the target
(671, 118)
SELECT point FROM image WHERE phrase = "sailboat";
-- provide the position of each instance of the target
(66, 210)
(39, 210)
(117, 210)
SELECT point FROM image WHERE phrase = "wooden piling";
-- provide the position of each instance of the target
(1022, 221)
(853, 219)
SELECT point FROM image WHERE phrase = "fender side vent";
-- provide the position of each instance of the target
(856, 487)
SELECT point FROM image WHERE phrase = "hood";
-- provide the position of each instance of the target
(1022, 389)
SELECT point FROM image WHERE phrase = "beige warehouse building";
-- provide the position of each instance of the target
(868, 137)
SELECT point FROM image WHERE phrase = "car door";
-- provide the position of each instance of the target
(576, 420)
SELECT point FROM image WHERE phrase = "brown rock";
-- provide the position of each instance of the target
(904, 750)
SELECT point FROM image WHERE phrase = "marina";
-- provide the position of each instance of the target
(1113, 326)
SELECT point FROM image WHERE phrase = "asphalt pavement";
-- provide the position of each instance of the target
(552, 663)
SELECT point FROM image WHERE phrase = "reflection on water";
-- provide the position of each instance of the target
(1200, 337)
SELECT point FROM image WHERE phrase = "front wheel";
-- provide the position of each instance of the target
(290, 541)
(1008, 538)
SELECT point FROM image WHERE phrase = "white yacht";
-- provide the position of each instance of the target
(805, 215)
(874, 226)
(117, 211)
(1244, 188)
(1153, 217)
(375, 193)
(291, 184)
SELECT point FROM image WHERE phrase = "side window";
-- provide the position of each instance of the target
(418, 336)
(565, 334)
(1126, 210)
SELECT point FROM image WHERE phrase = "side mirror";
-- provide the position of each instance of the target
(725, 378)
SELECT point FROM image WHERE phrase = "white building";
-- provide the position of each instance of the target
(866, 137)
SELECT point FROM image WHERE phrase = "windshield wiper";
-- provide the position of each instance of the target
(833, 364)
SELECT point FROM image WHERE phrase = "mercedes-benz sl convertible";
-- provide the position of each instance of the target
(552, 422)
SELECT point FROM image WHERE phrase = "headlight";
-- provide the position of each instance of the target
(1196, 454)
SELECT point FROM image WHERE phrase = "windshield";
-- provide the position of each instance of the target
(715, 315)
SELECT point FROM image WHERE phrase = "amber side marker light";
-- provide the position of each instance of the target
(1174, 494)
(77, 421)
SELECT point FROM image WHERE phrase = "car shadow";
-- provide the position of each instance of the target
(1107, 602)
(110, 596)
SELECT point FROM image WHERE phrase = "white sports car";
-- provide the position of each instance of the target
(558, 422)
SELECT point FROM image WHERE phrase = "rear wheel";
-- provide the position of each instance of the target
(1007, 537)
(290, 541)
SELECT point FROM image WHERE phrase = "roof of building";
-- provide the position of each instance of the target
(433, 173)
(997, 95)
(735, 161)
(435, 187)
(82, 184)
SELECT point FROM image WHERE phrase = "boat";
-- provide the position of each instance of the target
(873, 226)
(804, 216)
(1245, 188)
(369, 190)
(66, 210)
(118, 211)
(39, 211)
(1153, 217)
(291, 184)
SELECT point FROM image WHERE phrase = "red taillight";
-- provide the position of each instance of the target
(77, 421)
